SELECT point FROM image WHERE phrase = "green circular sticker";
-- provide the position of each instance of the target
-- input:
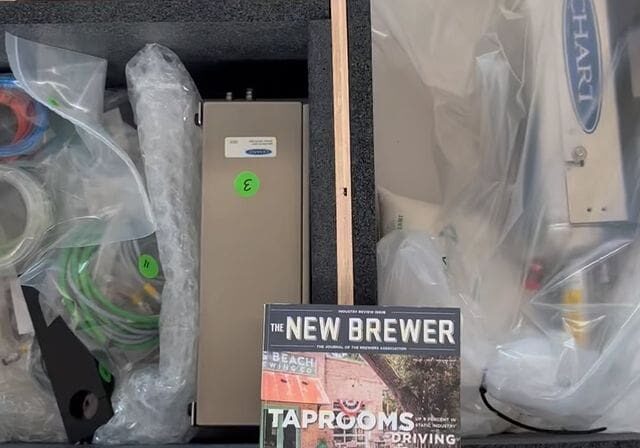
(148, 266)
(246, 184)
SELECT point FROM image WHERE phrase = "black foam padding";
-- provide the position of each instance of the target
(193, 11)
(362, 161)
(205, 48)
(270, 79)
(322, 177)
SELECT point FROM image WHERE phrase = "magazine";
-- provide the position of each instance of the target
(359, 377)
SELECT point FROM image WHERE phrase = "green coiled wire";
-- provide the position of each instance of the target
(94, 314)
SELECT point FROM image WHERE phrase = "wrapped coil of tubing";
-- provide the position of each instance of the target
(29, 118)
(95, 314)
(38, 212)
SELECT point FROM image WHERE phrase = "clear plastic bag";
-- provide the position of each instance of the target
(27, 210)
(413, 270)
(165, 101)
(401, 213)
(26, 216)
(91, 203)
(439, 30)
(29, 411)
(96, 193)
(536, 142)
(110, 297)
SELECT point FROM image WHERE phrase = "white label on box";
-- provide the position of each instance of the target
(250, 147)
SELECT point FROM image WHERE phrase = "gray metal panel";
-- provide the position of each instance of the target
(251, 252)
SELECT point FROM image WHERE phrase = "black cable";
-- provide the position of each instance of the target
(483, 395)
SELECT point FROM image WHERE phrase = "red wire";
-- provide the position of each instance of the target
(22, 108)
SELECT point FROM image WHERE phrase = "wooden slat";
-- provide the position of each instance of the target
(342, 136)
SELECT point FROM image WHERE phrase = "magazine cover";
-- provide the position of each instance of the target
(360, 377)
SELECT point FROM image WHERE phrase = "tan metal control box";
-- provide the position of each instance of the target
(253, 246)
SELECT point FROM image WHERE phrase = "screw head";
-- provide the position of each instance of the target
(579, 154)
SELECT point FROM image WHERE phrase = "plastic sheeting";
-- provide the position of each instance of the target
(535, 143)
(97, 194)
(151, 404)
(29, 411)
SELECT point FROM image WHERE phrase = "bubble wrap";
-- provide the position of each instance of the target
(151, 404)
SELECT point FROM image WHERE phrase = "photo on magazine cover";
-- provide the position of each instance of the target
(359, 399)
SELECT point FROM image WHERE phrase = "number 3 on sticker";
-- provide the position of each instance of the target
(246, 184)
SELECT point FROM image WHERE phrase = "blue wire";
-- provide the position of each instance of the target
(31, 142)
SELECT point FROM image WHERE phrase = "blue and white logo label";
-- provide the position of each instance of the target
(258, 152)
(583, 61)
(250, 147)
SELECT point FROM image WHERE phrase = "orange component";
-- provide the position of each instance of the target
(151, 291)
(290, 388)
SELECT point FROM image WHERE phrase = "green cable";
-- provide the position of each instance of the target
(91, 292)
(85, 278)
(87, 323)
(93, 313)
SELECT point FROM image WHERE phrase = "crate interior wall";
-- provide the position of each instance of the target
(281, 49)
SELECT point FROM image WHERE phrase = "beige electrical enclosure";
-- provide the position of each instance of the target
(253, 246)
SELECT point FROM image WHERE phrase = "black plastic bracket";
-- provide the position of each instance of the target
(83, 395)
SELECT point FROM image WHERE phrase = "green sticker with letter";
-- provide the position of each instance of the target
(148, 266)
(246, 184)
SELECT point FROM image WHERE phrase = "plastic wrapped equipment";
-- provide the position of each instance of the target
(165, 101)
(535, 137)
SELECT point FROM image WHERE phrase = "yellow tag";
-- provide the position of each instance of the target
(574, 321)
